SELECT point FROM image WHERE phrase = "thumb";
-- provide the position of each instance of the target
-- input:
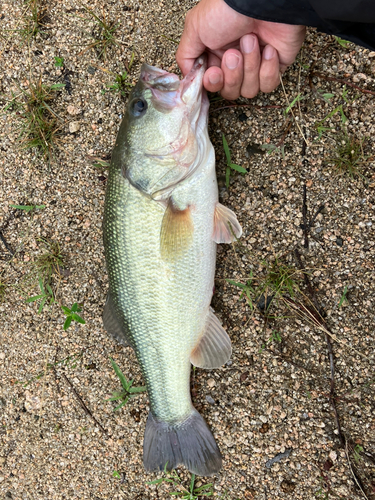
(191, 45)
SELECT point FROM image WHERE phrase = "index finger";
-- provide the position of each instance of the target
(190, 46)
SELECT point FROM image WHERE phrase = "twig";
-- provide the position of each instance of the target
(332, 395)
(304, 215)
(281, 141)
(307, 225)
(87, 411)
(340, 80)
(6, 244)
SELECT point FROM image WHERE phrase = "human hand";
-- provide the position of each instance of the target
(245, 55)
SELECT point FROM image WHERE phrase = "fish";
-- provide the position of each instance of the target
(162, 223)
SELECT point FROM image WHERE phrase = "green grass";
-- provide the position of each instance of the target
(28, 208)
(128, 390)
(49, 262)
(278, 280)
(347, 156)
(71, 315)
(103, 34)
(192, 492)
(38, 121)
(230, 166)
(34, 19)
(41, 272)
(121, 84)
(275, 337)
(3, 288)
(343, 299)
(68, 362)
(46, 296)
(59, 62)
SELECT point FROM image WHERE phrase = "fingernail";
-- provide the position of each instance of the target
(214, 78)
(232, 60)
(268, 53)
(247, 44)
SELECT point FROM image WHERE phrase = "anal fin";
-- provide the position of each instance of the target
(226, 226)
(214, 347)
(112, 323)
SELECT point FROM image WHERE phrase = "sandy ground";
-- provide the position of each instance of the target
(59, 437)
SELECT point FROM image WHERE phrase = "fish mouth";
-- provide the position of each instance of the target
(168, 91)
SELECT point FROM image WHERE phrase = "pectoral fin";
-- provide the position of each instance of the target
(214, 347)
(226, 226)
(112, 323)
(176, 232)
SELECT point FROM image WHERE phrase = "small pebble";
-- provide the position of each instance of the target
(74, 127)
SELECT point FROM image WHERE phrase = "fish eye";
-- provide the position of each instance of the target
(138, 107)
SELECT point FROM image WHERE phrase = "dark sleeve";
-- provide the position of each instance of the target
(353, 20)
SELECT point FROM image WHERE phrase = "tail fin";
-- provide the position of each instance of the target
(189, 443)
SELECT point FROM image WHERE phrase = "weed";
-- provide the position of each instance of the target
(271, 148)
(275, 337)
(343, 43)
(99, 163)
(298, 98)
(343, 299)
(71, 315)
(3, 289)
(46, 296)
(120, 84)
(128, 391)
(348, 155)
(230, 165)
(41, 271)
(326, 95)
(358, 449)
(321, 494)
(321, 128)
(59, 62)
(28, 208)
(39, 126)
(247, 289)
(103, 34)
(116, 473)
(50, 262)
(68, 362)
(192, 493)
(280, 279)
(34, 21)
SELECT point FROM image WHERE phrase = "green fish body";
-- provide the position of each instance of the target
(162, 222)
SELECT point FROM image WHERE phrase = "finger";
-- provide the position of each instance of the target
(269, 77)
(190, 46)
(251, 64)
(232, 66)
(213, 79)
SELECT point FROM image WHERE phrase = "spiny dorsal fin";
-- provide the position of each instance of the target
(176, 232)
(226, 226)
(214, 347)
(112, 324)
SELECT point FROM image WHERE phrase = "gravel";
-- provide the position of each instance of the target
(59, 437)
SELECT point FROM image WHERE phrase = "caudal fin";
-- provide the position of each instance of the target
(190, 443)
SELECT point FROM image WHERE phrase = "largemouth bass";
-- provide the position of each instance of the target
(162, 221)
